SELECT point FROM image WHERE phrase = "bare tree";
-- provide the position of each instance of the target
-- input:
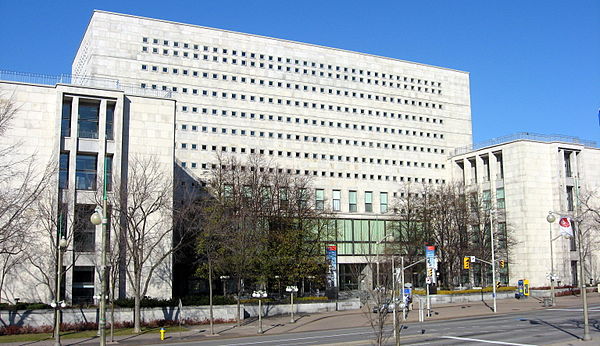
(23, 179)
(588, 223)
(143, 205)
(54, 221)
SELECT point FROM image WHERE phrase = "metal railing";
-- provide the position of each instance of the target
(87, 81)
(520, 136)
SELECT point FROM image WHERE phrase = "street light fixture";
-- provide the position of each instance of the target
(224, 278)
(98, 219)
(259, 294)
(292, 289)
(582, 285)
(493, 258)
(551, 218)
(58, 303)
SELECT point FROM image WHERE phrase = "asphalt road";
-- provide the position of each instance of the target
(543, 327)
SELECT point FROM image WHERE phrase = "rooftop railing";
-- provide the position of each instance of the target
(86, 81)
(523, 136)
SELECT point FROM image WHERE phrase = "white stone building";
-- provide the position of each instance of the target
(359, 124)
(526, 176)
(72, 131)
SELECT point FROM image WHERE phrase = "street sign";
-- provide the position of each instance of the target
(428, 280)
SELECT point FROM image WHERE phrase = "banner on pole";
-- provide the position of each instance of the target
(331, 256)
(566, 227)
(431, 263)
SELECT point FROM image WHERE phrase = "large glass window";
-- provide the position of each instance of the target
(65, 123)
(368, 201)
(283, 198)
(85, 174)
(336, 199)
(319, 199)
(109, 163)
(63, 174)
(500, 198)
(570, 204)
(352, 201)
(84, 231)
(110, 120)
(486, 199)
(383, 202)
(83, 285)
(568, 171)
(89, 115)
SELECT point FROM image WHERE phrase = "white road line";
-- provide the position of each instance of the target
(484, 341)
(295, 339)
(591, 310)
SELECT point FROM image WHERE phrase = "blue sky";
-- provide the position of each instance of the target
(534, 65)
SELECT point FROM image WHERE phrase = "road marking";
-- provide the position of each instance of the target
(591, 310)
(296, 339)
(484, 341)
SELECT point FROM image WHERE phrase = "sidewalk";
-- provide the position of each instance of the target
(332, 320)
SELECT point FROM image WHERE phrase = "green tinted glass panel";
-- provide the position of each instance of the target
(500, 192)
(352, 197)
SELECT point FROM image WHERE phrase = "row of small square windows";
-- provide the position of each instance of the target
(314, 73)
(297, 62)
(316, 156)
(272, 83)
(271, 100)
(315, 122)
(194, 165)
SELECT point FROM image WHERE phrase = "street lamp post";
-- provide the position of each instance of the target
(577, 234)
(58, 303)
(550, 218)
(224, 278)
(259, 294)
(493, 259)
(97, 219)
(292, 289)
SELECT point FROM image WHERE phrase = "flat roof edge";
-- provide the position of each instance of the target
(277, 39)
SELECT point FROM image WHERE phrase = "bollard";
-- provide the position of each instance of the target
(162, 333)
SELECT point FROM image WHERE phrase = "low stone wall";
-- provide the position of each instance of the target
(466, 298)
(307, 308)
(37, 318)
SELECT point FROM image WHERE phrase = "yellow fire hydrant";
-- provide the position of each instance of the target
(162, 333)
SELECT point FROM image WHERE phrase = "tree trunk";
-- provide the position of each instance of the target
(237, 298)
(137, 314)
(210, 297)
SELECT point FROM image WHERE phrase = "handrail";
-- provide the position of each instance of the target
(523, 136)
(89, 81)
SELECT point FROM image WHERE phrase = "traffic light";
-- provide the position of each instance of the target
(498, 284)
(502, 263)
(466, 262)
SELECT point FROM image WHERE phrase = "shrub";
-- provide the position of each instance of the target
(24, 306)
(148, 302)
(485, 289)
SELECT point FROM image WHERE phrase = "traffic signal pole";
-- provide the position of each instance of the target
(472, 259)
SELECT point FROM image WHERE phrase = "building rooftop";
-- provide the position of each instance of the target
(276, 39)
(530, 136)
(83, 81)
